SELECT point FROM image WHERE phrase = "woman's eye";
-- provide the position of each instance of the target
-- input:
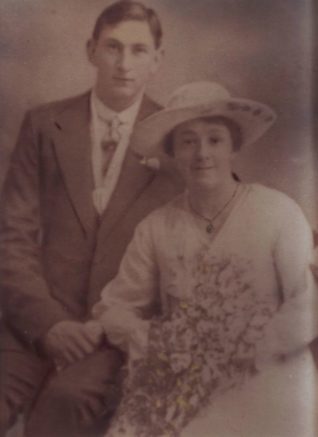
(214, 140)
(189, 142)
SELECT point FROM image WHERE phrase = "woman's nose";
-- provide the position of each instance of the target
(202, 150)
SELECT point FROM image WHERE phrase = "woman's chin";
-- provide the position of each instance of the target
(205, 183)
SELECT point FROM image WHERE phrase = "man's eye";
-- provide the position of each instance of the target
(138, 50)
(112, 47)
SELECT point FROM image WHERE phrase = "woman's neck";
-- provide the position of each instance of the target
(208, 201)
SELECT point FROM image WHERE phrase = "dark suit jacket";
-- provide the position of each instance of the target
(56, 254)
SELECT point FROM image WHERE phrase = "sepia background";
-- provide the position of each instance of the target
(261, 49)
(257, 49)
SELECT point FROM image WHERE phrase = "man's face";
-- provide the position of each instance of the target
(126, 58)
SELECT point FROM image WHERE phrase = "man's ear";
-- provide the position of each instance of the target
(90, 50)
(159, 55)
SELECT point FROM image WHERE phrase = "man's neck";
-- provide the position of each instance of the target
(117, 104)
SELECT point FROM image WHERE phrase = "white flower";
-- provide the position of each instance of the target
(180, 361)
(204, 327)
(206, 375)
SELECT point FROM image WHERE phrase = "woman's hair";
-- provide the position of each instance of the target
(234, 129)
(125, 10)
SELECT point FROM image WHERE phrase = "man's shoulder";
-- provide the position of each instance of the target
(56, 107)
(154, 105)
(148, 107)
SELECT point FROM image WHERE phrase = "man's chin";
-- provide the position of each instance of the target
(123, 96)
(123, 87)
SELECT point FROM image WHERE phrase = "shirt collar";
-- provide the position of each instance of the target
(128, 116)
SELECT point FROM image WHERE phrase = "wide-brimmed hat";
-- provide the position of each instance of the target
(200, 100)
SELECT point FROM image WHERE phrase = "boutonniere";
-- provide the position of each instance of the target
(152, 163)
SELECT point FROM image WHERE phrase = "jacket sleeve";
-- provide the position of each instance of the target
(27, 304)
(295, 324)
(127, 302)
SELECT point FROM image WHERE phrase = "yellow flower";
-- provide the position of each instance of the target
(181, 402)
(162, 357)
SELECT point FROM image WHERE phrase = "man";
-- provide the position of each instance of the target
(72, 198)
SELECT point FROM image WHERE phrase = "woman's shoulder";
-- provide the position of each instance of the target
(272, 200)
(276, 209)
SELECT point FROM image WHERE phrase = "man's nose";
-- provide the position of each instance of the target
(125, 60)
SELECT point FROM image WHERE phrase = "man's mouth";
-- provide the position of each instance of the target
(199, 168)
(123, 80)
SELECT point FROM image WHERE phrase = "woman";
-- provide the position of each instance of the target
(214, 300)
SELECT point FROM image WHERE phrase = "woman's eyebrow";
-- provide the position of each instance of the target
(216, 128)
(188, 132)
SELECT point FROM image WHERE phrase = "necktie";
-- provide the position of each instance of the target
(109, 142)
(114, 132)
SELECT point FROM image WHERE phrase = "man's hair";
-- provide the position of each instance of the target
(235, 131)
(129, 10)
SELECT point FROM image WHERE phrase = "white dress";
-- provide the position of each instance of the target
(216, 328)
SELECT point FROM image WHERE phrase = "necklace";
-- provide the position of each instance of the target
(210, 228)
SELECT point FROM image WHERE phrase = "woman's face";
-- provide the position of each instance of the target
(203, 151)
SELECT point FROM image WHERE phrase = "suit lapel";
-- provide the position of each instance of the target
(72, 141)
(72, 144)
(133, 180)
(147, 108)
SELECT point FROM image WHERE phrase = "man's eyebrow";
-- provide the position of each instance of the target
(141, 45)
(112, 40)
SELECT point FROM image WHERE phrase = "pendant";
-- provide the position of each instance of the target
(209, 228)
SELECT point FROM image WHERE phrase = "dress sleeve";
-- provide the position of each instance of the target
(295, 324)
(127, 301)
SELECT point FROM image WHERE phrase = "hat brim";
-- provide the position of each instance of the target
(252, 117)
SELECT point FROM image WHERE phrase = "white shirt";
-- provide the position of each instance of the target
(104, 186)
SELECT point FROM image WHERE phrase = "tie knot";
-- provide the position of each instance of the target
(115, 122)
(112, 123)
(113, 129)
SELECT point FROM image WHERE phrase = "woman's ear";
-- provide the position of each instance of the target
(234, 154)
(236, 177)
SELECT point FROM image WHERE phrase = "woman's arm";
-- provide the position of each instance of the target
(295, 324)
(127, 301)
